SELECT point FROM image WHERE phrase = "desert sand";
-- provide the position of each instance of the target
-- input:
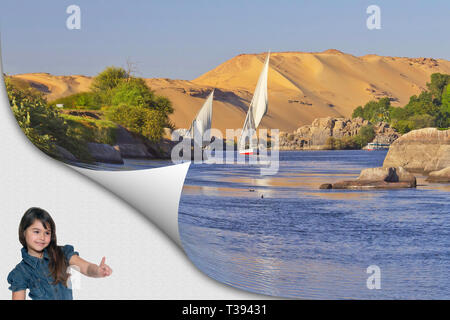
(302, 86)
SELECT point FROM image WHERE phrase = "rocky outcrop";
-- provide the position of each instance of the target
(377, 178)
(65, 154)
(365, 185)
(398, 174)
(131, 147)
(422, 150)
(315, 136)
(442, 176)
(133, 151)
(104, 153)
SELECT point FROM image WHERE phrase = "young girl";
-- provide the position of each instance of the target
(43, 269)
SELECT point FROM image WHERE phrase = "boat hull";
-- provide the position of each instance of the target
(248, 151)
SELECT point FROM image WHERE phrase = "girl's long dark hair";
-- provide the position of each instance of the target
(57, 264)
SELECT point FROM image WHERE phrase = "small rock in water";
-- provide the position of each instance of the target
(262, 196)
(251, 190)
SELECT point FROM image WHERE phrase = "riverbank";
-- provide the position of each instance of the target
(337, 134)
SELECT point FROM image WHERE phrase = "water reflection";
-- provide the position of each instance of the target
(302, 242)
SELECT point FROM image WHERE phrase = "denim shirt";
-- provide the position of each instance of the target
(33, 273)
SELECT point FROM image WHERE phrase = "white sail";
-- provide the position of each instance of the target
(202, 123)
(257, 110)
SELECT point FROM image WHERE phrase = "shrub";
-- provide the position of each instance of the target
(133, 93)
(83, 100)
(108, 79)
(42, 124)
(142, 120)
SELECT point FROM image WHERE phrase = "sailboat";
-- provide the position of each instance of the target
(248, 141)
(199, 132)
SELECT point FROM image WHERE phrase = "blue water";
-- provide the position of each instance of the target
(301, 242)
(282, 236)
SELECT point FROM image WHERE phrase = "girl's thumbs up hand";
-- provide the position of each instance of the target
(103, 269)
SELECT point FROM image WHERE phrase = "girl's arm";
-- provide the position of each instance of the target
(18, 295)
(90, 269)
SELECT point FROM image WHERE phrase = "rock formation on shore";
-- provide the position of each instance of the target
(441, 176)
(128, 146)
(315, 136)
(377, 178)
(423, 150)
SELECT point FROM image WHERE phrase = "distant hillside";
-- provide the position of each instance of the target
(302, 86)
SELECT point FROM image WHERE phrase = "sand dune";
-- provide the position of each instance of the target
(302, 86)
(55, 87)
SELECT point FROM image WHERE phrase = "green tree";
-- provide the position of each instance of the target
(422, 121)
(358, 112)
(422, 104)
(108, 79)
(374, 111)
(445, 108)
(436, 86)
(365, 135)
(133, 93)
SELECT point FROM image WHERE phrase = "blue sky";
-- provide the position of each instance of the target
(184, 39)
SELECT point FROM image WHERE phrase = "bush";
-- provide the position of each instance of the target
(330, 144)
(83, 101)
(374, 111)
(42, 124)
(403, 126)
(91, 130)
(365, 135)
(133, 93)
(147, 122)
(444, 122)
(108, 79)
(359, 141)
(422, 121)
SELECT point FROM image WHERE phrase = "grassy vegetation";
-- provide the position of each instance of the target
(91, 130)
(42, 124)
(81, 101)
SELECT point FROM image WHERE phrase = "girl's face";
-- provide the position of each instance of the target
(37, 237)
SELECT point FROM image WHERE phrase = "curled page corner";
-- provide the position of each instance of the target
(154, 192)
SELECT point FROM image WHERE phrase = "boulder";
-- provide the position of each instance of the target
(422, 150)
(133, 150)
(388, 175)
(66, 154)
(377, 174)
(363, 185)
(442, 176)
(377, 178)
(104, 153)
